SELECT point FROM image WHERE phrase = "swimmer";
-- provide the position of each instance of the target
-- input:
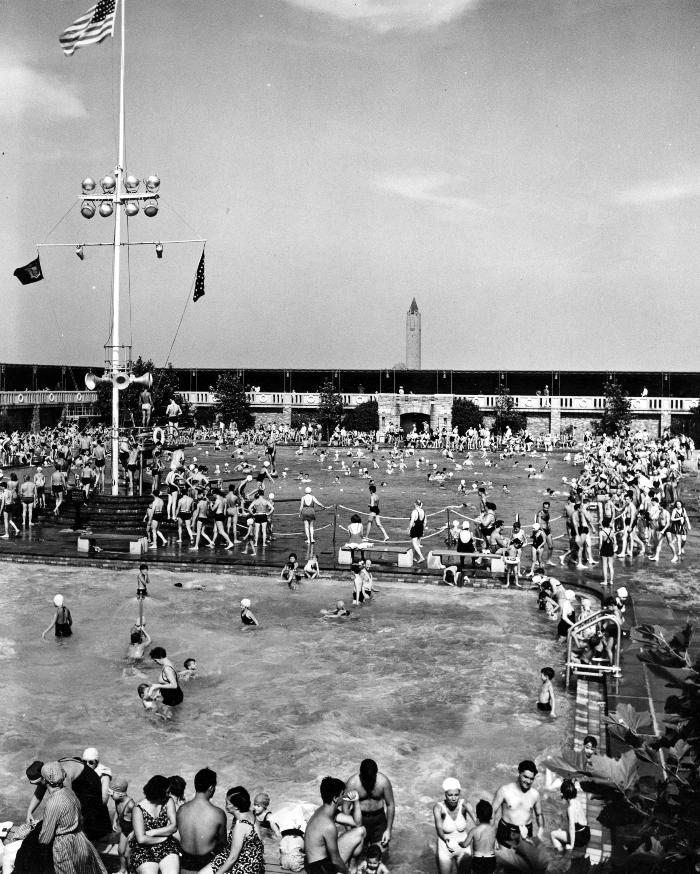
(139, 641)
(190, 584)
(247, 616)
(190, 670)
(366, 579)
(340, 611)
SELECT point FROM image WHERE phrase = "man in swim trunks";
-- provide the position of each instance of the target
(201, 824)
(516, 803)
(376, 802)
(326, 851)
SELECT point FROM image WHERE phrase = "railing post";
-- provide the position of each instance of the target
(335, 526)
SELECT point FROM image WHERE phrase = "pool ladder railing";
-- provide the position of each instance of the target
(596, 668)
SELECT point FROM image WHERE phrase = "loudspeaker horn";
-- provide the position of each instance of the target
(146, 380)
(92, 380)
(121, 380)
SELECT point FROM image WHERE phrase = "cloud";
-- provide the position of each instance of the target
(386, 15)
(427, 188)
(661, 191)
(26, 91)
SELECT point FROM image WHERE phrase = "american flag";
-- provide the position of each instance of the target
(199, 281)
(93, 27)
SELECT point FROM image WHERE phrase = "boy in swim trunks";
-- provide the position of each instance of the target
(142, 582)
(547, 702)
(482, 840)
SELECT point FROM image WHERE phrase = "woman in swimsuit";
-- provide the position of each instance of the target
(169, 687)
(153, 847)
(307, 512)
(606, 547)
(374, 515)
(578, 833)
(244, 853)
(417, 526)
(62, 623)
(680, 525)
(451, 826)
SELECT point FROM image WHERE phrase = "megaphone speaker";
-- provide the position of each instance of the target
(92, 380)
(146, 380)
(121, 380)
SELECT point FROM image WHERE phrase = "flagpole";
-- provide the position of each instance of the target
(117, 263)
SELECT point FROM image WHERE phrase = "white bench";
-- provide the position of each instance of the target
(404, 554)
(88, 542)
(495, 562)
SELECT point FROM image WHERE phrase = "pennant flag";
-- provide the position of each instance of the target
(93, 27)
(30, 272)
(199, 281)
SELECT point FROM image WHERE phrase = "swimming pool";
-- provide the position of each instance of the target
(431, 682)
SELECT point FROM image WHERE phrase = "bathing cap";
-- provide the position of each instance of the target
(271, 496)
(535, 526)
(120, 784)
(569, 594)
(451, 784)
(622, 592)
(465, 524)
(585, 602)
(58, 600)
(90, 755)
(308, 490)
(245, 602)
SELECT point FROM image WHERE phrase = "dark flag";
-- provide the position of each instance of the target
(31, 272)
(199, 281)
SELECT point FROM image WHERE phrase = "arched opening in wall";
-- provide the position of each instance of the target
(417, 420)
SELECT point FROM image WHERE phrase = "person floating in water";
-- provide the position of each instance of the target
(62, 622)
(339, 612)
(142, 582)
(247, 616)
(190, 670)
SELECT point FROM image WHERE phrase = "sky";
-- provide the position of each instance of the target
(529, 170)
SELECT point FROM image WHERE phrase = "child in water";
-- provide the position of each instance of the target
(372, 863)
(190, 671)
(366, 578)
(247, 616)
(153, 703)
(482, 840)
(547, 702)
(139, 640)
(142, 582)
(340, 611)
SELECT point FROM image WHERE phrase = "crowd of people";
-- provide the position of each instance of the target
(624, 504)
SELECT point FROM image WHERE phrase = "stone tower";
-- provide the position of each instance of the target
(413, 337)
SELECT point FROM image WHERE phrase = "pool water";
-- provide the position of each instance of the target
(430, 682)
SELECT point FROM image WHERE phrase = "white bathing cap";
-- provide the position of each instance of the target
(58, 600)
(570, 595)
(245, 602)
(308, 490)
(90, 755)
(451, 784)
(622, 592)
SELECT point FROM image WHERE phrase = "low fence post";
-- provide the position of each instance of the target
(335, 525)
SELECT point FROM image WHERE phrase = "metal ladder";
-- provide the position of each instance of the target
(596, 668)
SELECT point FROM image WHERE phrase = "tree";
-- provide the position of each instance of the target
(465, 415)
(365, 417)
(165, 387)
(231, 400)
(330, 408)
(618, 409)
(506, 414)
